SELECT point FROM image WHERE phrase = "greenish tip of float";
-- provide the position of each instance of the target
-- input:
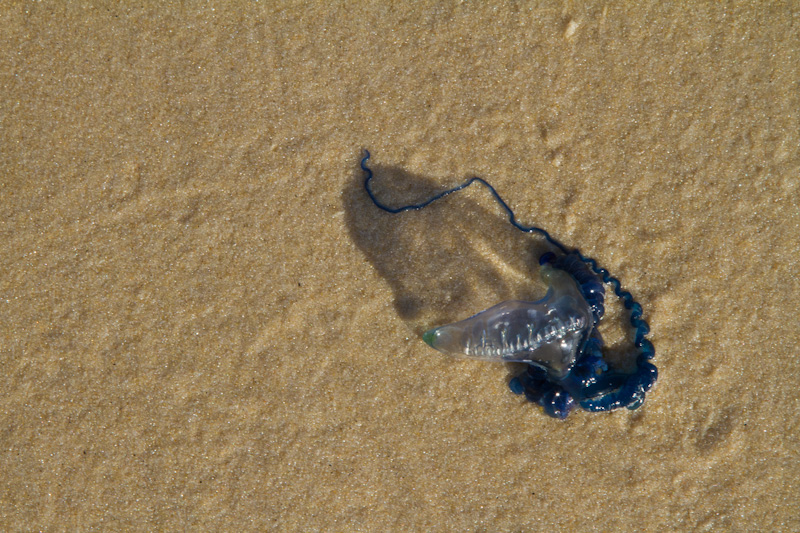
(429, 336)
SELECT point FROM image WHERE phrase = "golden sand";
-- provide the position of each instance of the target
(206, 326)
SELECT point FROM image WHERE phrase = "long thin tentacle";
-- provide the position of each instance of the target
(414, 207)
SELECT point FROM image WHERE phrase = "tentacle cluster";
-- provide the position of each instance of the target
(589, 383)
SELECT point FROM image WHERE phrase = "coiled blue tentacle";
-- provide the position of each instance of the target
(590, 382)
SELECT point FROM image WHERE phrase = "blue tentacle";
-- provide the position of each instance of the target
(414, 207)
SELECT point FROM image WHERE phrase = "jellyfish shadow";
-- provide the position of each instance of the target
(447, 261)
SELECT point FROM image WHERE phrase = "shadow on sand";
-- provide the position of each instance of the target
(445, 262)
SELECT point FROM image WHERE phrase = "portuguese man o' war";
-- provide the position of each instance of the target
(557, 336)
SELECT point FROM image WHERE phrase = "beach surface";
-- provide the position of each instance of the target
(206, 325)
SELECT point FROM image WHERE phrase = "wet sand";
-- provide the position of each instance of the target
(206, 325)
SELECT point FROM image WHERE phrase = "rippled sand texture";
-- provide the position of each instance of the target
(205, 325)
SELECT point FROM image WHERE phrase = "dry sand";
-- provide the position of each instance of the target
(205, 325)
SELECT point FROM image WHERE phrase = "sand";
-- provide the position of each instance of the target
(206, 326)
